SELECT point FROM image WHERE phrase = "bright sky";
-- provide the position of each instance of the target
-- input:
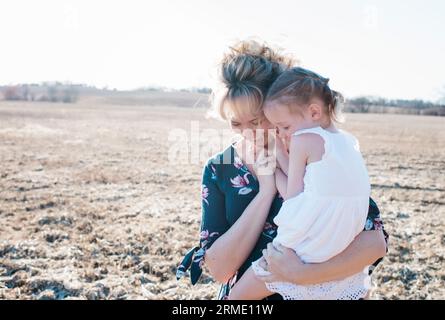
(391, 48)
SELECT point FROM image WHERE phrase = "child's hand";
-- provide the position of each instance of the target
(282, 146)
(282, 155)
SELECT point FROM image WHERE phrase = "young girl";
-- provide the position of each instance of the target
(325, 186)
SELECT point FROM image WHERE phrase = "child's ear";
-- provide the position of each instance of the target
(315, 111)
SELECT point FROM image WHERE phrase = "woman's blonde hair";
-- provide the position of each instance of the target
(247, 71)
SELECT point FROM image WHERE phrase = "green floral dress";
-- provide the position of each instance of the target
(227, 189)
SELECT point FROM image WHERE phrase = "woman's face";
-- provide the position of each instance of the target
(253, 127)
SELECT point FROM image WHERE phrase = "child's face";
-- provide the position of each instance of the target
(286, 122)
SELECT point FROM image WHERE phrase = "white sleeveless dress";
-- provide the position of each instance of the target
(324, 219)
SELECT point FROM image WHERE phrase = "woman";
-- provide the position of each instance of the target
(238, 205)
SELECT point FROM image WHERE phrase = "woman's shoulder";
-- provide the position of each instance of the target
(218, 163)
(223, 157)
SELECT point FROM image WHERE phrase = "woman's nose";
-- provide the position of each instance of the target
(248, 133)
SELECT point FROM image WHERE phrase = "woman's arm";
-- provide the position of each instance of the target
(286, 266)
(232, 248)
(368, 247)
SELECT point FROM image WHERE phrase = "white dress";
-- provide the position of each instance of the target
(325, 218)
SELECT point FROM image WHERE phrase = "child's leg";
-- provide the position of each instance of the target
(249, 287)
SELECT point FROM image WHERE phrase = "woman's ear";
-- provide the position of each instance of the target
(316, 111)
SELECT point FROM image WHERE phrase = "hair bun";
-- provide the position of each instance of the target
(260, 50)
(251, 47)
(247, 70)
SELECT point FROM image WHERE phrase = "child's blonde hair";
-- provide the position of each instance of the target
(297, 86)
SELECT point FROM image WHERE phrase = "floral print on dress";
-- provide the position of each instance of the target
(199, 257)
(225, 288)
(205, 237)
(369, 224)
(374, 224)
(238, 163)
(213, 172)
(194, 259)
(205, 193)
(241, 182)
(270, 230)
(378, 224)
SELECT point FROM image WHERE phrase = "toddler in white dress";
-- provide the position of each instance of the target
(325, 187)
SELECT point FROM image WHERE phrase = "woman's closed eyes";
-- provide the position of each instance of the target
(254, 122)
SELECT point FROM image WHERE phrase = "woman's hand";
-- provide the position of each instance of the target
(283, 264)
(264, 168)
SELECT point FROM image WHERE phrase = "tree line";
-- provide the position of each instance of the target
(69, 93)
(402, 106)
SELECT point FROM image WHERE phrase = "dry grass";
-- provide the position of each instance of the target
(91, 208)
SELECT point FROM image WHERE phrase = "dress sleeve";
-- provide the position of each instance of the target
(374, 222)
(213, 223)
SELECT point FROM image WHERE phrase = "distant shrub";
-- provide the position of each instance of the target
(11, 93)
(396, 106)
(438, 111)
(56, 92)
(69, 95)
(203, 90)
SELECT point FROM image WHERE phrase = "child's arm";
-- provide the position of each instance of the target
(304, 149)
(282, 156)
(249, 287)
(281, 182)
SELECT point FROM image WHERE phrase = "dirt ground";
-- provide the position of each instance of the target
(91, 207)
